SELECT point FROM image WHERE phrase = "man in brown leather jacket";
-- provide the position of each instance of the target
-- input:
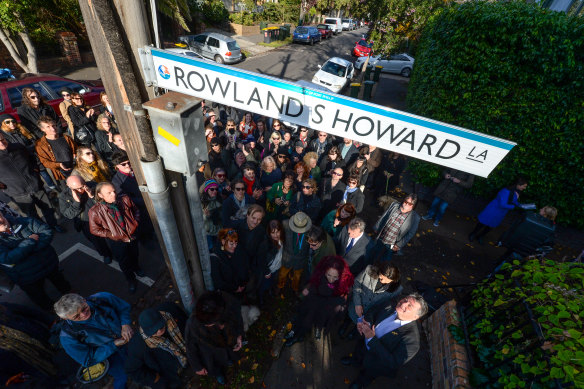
(116, 218)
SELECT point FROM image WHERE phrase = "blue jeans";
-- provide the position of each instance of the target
(437, 209)
(116, 369)
(380, 252)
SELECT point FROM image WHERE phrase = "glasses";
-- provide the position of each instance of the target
(239, 189)
(281, 156)
(275, 138)
(10, 121)
(33, 97)
(352, 182)
(276, 125)
(312, 243)
(75, 98)
(220, 175)
(66, 94)
(408, 203)
(322, 135)
(337, 174)
(125, 164)
(303, 130)
(307, 187)
(81, 312)
(212, 190)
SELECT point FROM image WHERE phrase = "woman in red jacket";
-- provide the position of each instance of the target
(116, 218)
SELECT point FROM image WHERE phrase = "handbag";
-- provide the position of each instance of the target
(84, 135)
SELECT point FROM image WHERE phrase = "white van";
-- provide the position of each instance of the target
(336, 25)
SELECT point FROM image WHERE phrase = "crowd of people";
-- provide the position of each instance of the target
(283, 215)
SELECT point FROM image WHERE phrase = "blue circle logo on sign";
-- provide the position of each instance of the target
(163, 71)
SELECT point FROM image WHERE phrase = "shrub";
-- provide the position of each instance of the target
(245, 18)
(516, 71)
(525, 326)
(215, 12)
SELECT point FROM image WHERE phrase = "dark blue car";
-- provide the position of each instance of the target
(306, 34)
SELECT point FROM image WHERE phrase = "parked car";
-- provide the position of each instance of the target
(187, 52)
(334, 74)
(347, 24)
(362, 48)
(215, 46)
(325, 30)
(395, 63)
(306, 34)
(336, 24)
(48, 86)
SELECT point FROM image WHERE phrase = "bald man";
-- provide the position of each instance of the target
(74, 203)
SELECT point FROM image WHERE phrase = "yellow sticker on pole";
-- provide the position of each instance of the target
(168, 136)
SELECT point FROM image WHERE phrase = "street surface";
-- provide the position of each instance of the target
(300, 61)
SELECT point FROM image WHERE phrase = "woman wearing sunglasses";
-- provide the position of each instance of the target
(32, 107)
(90, 167)
(83, 120)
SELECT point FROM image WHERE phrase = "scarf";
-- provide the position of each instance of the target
(175, 345)
(347, 191)
(96, 173)
(249, 184)
(115, 213)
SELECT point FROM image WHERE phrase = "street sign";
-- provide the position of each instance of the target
(390, 129)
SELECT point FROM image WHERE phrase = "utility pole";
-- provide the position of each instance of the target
(111, 26)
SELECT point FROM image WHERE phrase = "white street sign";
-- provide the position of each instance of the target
(390, 129)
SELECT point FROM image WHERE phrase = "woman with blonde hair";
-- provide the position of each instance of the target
(270, 174)
(90, 166)
(311, 160)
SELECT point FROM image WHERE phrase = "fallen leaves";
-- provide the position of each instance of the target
(252, 380)
(254, 366)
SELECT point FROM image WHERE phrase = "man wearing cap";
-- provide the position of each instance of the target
(158, 353)
(295, 252)
(298, 152)
(96, 329)
(252, 154)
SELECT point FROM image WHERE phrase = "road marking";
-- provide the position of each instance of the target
(94, 254)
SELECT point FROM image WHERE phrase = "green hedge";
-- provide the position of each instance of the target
(516, 71)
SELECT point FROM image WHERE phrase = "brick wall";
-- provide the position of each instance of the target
(69, 48)
(450, 362)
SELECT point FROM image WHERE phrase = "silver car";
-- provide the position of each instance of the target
(218, 47)
(395, 63)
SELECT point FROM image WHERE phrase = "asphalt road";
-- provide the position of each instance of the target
(300, 61)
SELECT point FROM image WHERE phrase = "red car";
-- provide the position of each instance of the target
(48, 86)
(325, 31)
(362, 48)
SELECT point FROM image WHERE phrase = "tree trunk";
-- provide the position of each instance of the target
(4, 37)
(30, 52)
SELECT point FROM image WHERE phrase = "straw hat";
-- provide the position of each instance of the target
(300, 223)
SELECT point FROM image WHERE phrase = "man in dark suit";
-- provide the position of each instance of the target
(391, 337)
(352, 243)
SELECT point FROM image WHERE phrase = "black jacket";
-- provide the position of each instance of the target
(229, 271)
(251, 242)
(310, 205)
(395, 348)
(104, 147)
(229, 208)
(29, 116)
(357, 198)
(143, 362)
(19, 171)
(76, 211)
(128, 185)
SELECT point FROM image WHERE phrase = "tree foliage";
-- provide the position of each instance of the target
(516, 71)
(514, 351)
(177, 10)
(399, 22)
(25, 24)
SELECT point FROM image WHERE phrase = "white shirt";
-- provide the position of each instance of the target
(354, 241)
(387, 325)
